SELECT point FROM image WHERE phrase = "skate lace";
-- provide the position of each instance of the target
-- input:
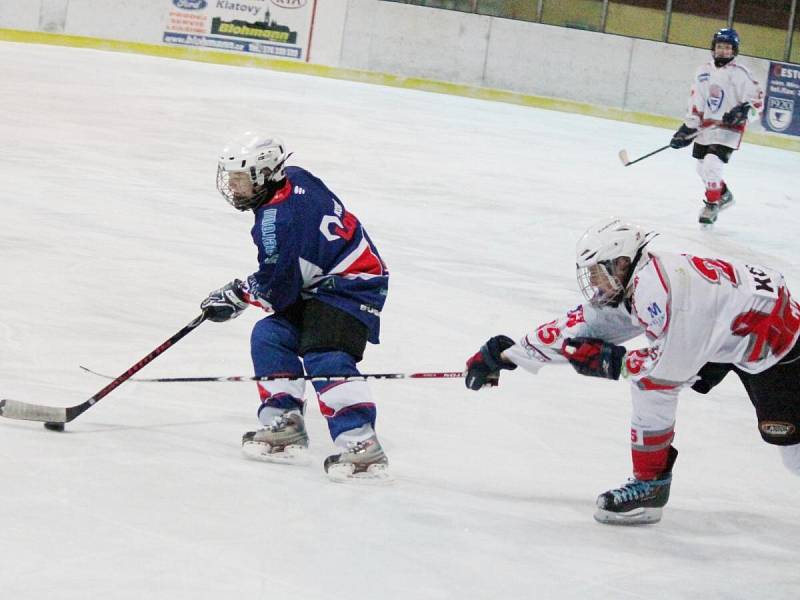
(633, 490)
(278, 422)
(357, 447)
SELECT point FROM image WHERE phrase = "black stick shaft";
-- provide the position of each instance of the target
(136, 368)
(691, 137)
(14, 409)
(334, 377)
(647, 155)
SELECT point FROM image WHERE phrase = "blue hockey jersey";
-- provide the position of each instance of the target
(309, 246)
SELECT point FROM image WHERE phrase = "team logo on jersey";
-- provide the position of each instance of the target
(268, 237)
(716, 95)
(779, 113)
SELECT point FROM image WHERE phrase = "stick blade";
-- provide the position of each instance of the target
(13, 409)
(623, 157)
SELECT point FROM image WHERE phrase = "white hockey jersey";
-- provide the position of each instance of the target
(715, 91)
(692, 310)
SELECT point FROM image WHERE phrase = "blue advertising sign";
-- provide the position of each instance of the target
(782, 107)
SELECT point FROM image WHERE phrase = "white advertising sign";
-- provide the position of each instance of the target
(274, 28)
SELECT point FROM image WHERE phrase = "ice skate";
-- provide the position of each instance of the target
(362, 462)
(726, 200)
(637, 502)
(283, 441)
(708, 215)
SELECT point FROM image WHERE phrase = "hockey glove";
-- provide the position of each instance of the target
(683, 137)
(594, 357)
(225, 303)
(483, 367)
(737, 116)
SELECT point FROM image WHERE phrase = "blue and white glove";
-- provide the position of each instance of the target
(226, 303)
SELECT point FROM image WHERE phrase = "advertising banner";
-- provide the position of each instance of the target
(273, 28)
(782, 106)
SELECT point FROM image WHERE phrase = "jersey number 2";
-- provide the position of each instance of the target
(714, 269)
(343, 228)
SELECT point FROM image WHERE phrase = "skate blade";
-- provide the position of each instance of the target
(706, 225)
(374, 475)
(290, 455)
(637, 516)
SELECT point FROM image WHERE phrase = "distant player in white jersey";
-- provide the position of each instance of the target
(723, 98)
(703, 318)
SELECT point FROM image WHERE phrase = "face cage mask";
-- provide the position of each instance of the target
(239, 202)
(599, 286)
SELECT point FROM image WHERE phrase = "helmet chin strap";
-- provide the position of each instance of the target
(632, 270)
(266, 193)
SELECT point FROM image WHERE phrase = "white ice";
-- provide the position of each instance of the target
(111, 232)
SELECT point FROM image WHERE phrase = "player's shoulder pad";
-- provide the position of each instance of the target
(746, 71)
(703, 72)
(302, 177)
(307, 186)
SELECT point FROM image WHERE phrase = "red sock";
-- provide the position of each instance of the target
(713, 195)
(650, 454)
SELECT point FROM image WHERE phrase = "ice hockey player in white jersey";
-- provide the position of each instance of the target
(724, 96)
(702, 317)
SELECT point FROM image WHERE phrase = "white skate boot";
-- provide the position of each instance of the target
(362, 462)
(283, 441)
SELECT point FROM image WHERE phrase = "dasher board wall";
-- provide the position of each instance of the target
(636, 80)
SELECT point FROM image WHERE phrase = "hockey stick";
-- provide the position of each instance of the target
(55, 417)
(626, 162)
(362, 376)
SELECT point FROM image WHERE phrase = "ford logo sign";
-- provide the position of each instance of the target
(190, 4)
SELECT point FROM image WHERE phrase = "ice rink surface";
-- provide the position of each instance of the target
(112, 232)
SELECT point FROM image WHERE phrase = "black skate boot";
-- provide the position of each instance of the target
(363, 461)
(284, 440)
(637, 502)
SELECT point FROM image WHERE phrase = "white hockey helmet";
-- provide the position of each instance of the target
(247, 167)
(606, 257)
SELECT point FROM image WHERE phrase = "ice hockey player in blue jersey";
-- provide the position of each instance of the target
(324, 283)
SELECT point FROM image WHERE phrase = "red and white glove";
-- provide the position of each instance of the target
(594, 357)
(483, 367)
